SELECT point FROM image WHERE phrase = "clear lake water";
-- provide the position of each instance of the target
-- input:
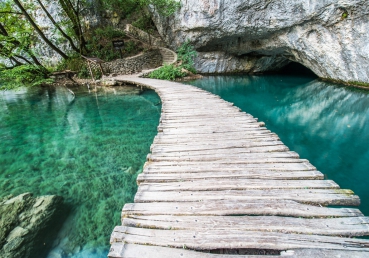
(88, 149)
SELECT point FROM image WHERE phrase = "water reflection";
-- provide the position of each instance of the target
(325, 123)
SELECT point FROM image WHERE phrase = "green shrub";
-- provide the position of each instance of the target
(163, 7)
(100, 43)
(167, 72)
(144, 23)
(74, 64)
(130, 47)
(186, 54)
(108, 32)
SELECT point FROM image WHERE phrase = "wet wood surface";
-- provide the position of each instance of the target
(217, 183)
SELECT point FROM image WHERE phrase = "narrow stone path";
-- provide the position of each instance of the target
(218, 183)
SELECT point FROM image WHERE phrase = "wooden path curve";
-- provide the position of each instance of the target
(218, 184)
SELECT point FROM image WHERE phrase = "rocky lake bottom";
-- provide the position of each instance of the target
(88, 149)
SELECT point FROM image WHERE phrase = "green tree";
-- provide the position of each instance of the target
(20, 33)
(16, 37)
(163, 7)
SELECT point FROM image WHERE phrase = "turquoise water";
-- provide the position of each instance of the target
(325, 123)
(88, 149)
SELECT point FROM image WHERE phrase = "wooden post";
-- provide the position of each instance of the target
(92, 75)
(94, 60)
(102, 72)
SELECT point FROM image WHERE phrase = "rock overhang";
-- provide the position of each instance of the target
(329, 37)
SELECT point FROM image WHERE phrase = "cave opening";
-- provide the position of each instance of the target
(294, 68)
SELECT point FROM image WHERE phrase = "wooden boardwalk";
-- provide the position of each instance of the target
(218, 184)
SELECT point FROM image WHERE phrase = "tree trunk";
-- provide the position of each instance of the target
(38, 30)
(23, 58)
(58, 27)
(73, 15)
(17, 63)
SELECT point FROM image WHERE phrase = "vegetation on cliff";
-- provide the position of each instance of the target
(68, 33)
(185, 65)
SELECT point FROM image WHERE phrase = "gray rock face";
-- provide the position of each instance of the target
(221, 62)
(330, 37)
(26, 224)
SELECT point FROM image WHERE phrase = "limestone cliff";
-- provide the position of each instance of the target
(330, 37)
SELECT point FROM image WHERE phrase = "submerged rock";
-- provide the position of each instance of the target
(330, 37)
(27, 224)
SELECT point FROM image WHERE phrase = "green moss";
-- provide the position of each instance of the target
(361, 85)
(356, 83)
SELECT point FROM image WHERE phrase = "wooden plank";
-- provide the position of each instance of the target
(323, 253)
(210, 130)
(219, 154)
(350, 226)
(185, 116)
(217, 159)
(223, 156)
(201, 113)
(196, 146)
(315, 196)
(237, 184)
(208, 122)
(226, 123)
(213, 137)
(265, 149)
(257, 174)
(182, 120)
(119, 250)
(218, 142)
(165, 119)
(234, 239)
(196, 102)
(234, 161)
(262, 132)
(256, 131)
(250, 148)
(222, 108)
(225, 152)
(235, 207)
(199, 167)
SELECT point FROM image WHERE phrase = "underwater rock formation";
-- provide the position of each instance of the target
(26, 224)
(330, 37)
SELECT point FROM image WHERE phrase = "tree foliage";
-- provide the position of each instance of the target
(23, 75)
(20, 33)
(164, 7)
(16, 37)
